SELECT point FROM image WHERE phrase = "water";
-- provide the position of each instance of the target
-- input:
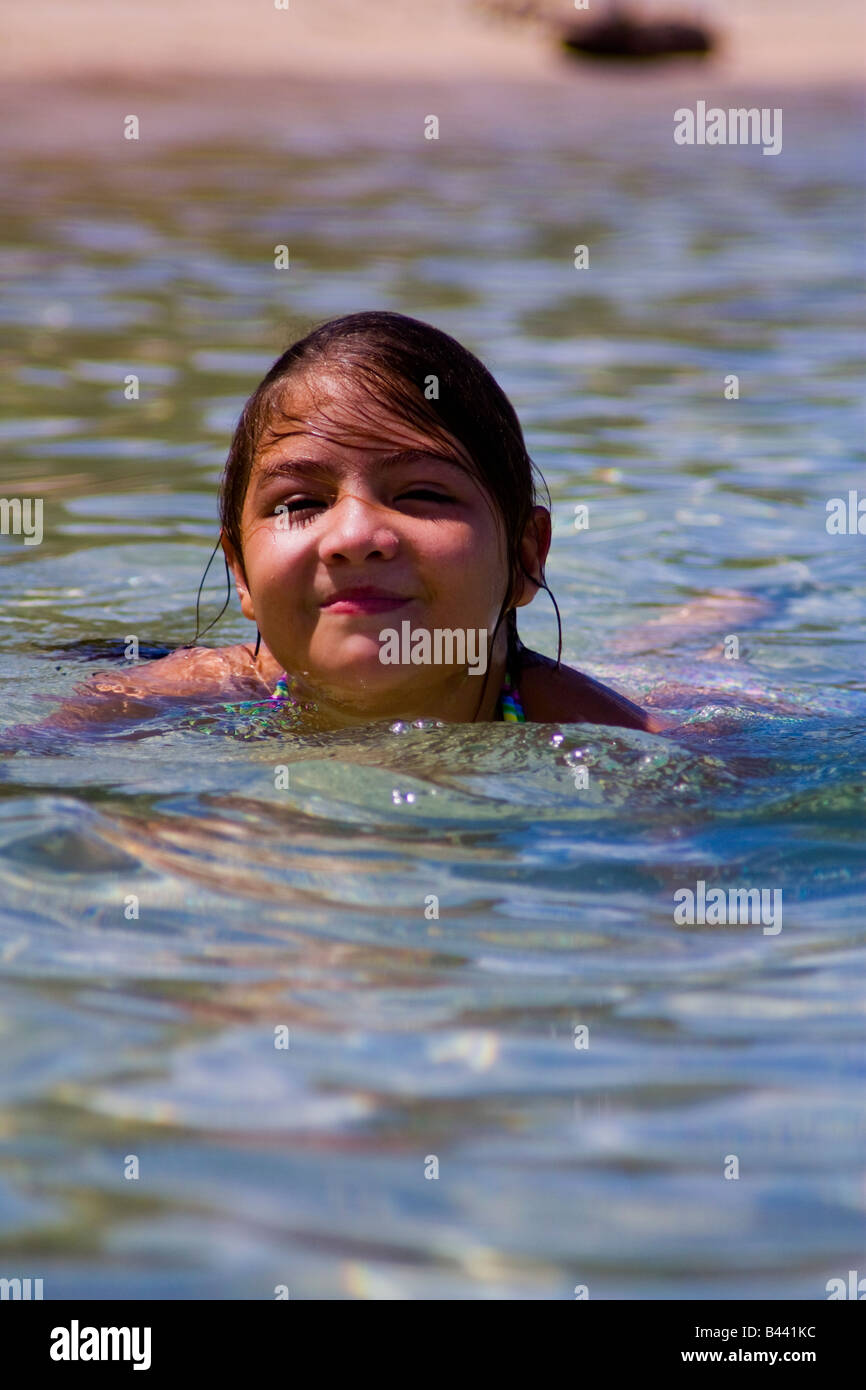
(413, 1036)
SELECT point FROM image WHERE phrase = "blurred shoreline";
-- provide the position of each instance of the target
(779, 42)
(83, 117)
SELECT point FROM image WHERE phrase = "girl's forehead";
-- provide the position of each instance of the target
(326, 441)
(319, 398)
(314, 417)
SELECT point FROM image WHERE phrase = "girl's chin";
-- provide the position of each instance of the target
(357, 679)
(360, 659)
(356, 682)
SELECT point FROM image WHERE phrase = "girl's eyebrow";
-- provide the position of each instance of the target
(280, 467)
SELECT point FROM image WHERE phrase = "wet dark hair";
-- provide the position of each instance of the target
(392, 358)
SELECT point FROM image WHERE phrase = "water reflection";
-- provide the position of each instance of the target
(431, 913)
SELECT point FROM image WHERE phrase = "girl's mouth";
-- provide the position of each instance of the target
(364, 600)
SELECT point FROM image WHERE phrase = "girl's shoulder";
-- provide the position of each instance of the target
(193, 671)
(190, 673)
(563, 695)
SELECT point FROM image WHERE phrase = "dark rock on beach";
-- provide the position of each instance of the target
(622, 36)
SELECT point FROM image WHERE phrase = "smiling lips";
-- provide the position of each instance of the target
(364, 598)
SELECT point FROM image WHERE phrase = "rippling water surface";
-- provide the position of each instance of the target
(413, 1036)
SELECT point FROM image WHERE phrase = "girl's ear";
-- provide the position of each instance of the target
(236, 566)
(534, 548)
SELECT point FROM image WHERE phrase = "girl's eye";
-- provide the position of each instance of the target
(298, 506)
(302, 508)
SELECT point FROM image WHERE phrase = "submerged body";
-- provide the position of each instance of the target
(534, 690)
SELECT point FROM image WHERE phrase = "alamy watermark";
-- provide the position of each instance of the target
(22, 516)
(714, 907)
(76, 1343)
(846, 519)
(854, 1288)
(444, 646)
(737, 126)
(22, 1289)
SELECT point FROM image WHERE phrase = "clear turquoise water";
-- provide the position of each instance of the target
(305, 907)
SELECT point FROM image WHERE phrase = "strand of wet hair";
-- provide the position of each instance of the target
(198, 632)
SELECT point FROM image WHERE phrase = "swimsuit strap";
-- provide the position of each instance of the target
(509, 709)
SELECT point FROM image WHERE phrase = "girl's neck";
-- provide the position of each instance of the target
(458, 706)
(266, 666)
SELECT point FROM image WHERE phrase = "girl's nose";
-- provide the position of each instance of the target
(358, 527)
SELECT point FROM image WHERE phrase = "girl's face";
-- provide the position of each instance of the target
(390, 513)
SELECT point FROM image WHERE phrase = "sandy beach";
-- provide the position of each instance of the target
(781, 41)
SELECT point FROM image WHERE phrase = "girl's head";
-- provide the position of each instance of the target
(378, 452)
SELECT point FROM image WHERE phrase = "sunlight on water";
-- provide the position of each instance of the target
(417, 1031)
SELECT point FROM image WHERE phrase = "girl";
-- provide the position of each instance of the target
(377, 480)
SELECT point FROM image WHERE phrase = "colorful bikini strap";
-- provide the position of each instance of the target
(510, 708)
